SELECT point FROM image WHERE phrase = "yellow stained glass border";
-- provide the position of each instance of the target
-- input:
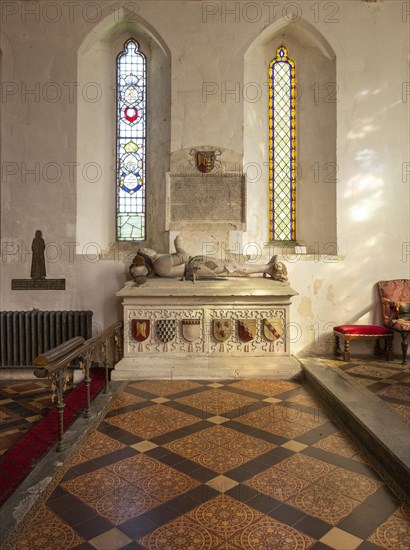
(282, 57)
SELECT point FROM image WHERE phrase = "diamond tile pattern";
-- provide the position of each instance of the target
(217, 402)
(129, 487)
(223, 521)
(394, 532)
(124, 399)
(99, 444)
(389, 381)
(268, 388)
(160, 475)
(54, 533)
(287, 422)
(219, 448)
(152, 421)
(164, 388)
(339, 445)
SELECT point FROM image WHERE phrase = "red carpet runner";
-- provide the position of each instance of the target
(18, 461)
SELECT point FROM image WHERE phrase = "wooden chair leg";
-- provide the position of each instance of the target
(337, 350)
(346, 354)
(377, 347)
(389, 349)
(404, 346)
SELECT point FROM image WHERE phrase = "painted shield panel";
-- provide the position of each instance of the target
(191, 329)
(166, 329)
(272, 328)
(205, 161)
(222, 329)
(140, 329)
(247, 329)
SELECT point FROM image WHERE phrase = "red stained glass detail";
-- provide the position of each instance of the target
(131, 114)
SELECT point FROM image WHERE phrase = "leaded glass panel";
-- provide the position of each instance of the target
(131, 143)
(282, 147)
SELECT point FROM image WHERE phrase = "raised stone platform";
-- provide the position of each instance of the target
(370, 420)
(210, 329)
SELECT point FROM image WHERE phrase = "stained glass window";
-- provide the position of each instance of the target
(282, 147)
(131, 142)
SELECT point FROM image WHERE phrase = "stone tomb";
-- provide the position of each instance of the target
(210, 329)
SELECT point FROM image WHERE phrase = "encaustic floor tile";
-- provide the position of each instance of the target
(157, 474)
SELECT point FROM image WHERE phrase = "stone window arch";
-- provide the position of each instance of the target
(316, 109)
(96, 162)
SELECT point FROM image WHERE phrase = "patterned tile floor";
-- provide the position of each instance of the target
(182, 465)
(22, 403)
(389, 380)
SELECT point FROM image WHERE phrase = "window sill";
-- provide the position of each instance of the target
(286, 250)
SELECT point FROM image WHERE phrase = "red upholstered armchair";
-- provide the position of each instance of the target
(395, 303)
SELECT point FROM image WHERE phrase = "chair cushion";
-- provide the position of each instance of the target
(365, 330)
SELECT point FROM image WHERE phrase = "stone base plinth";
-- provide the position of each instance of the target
(202, 367)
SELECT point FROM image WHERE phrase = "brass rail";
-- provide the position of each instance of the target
(105, 349)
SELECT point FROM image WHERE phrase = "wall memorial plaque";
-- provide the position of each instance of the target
(38, 284)
(206, 199)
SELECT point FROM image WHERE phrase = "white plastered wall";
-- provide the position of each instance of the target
(371, 44)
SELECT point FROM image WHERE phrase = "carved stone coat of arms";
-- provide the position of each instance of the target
(166, 331)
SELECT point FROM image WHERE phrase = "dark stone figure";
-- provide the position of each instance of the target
(38, 263)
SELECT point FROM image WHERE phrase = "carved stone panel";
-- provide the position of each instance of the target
(206, 199)
(179, 344)
(195, 330)
(258, 344)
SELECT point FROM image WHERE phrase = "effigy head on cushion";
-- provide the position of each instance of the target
(279, 272)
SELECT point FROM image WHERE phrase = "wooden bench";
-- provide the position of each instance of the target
(363, 332)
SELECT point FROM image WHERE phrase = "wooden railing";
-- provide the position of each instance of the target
(105, 350)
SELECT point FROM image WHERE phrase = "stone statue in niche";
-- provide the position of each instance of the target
(180, 264)
(38, 263)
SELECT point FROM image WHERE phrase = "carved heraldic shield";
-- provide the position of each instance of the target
(166, 330)
(140, 329)
(191, 330)
(272, 330)
(247, 329)
(222, 329)
(205, 161)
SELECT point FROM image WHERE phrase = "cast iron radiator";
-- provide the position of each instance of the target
(26, 334)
